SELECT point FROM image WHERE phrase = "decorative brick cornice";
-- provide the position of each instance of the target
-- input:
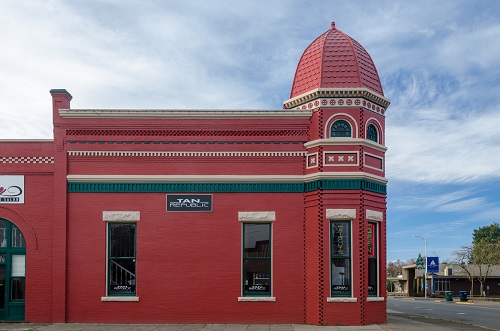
(188, 133)
(105, 141)
(182, 154)
(27, 159)
(182, 114)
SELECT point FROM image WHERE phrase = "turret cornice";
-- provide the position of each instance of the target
(364, 93)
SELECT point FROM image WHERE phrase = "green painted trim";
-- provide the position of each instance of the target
(326, 184)
(61, 90)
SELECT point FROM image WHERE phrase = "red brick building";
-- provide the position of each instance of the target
(216, 216)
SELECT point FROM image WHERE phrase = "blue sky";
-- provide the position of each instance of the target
(438, 61)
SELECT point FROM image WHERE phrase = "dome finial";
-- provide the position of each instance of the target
(332, 26)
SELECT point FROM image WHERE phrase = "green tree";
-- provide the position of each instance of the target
(490, 233)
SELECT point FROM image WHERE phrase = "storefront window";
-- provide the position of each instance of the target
(372, 259)
(341, 258)
(441, 285)
(257, 259)
(12, 266)
(122, 259)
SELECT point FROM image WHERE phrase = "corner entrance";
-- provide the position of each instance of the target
(12, 272)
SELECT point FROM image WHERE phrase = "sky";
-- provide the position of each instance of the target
(438, 62)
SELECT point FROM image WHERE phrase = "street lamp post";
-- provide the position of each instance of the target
(425, 254)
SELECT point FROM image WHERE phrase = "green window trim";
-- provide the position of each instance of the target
(340, 259)
(256, 256)
(121, 273)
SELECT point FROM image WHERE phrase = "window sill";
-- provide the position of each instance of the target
(341, 299)
(256, 299)
(119, 299)
(375, 299)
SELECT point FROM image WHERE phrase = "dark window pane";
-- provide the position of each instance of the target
(372, 259)
(372, 276)
(257, 259)
(257, 240)
(17, 286)
(122, 276)
(341, 129)
(341, 258)
(122, 240)
(3, 233)
(17, 238)
(372, 133)
(257, 273)
(341, 276)
(341, 236)
(122, 263)
(2, 287)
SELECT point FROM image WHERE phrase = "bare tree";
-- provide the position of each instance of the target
(395, 268)
(477, 261)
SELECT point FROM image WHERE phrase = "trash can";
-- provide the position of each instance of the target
(449, 295)
(463, 295)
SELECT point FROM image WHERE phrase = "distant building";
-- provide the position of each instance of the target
(205, 216)
(451, 277)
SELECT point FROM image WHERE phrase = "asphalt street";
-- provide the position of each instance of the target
(403, 314)
(480, 312)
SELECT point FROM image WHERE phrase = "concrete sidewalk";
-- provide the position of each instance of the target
(395, 321)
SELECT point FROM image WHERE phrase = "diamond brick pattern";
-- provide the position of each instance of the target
(187, 133)
(26, 159)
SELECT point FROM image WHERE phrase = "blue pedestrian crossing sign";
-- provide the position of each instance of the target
(432, 264)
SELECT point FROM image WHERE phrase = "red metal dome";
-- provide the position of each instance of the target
(335, 60)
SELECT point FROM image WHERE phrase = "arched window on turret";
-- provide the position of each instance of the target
(372, 133)
(341, 128)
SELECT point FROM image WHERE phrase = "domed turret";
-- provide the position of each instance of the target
(335, 60)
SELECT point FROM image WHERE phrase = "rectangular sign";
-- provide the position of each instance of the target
(371, 240)
(12, 189)
(257, 288)
(340, 288)
(432, 264)
(189, 202)
(340, 239)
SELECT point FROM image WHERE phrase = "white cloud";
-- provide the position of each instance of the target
(438, 62)
(436, 66)
(436, 146)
